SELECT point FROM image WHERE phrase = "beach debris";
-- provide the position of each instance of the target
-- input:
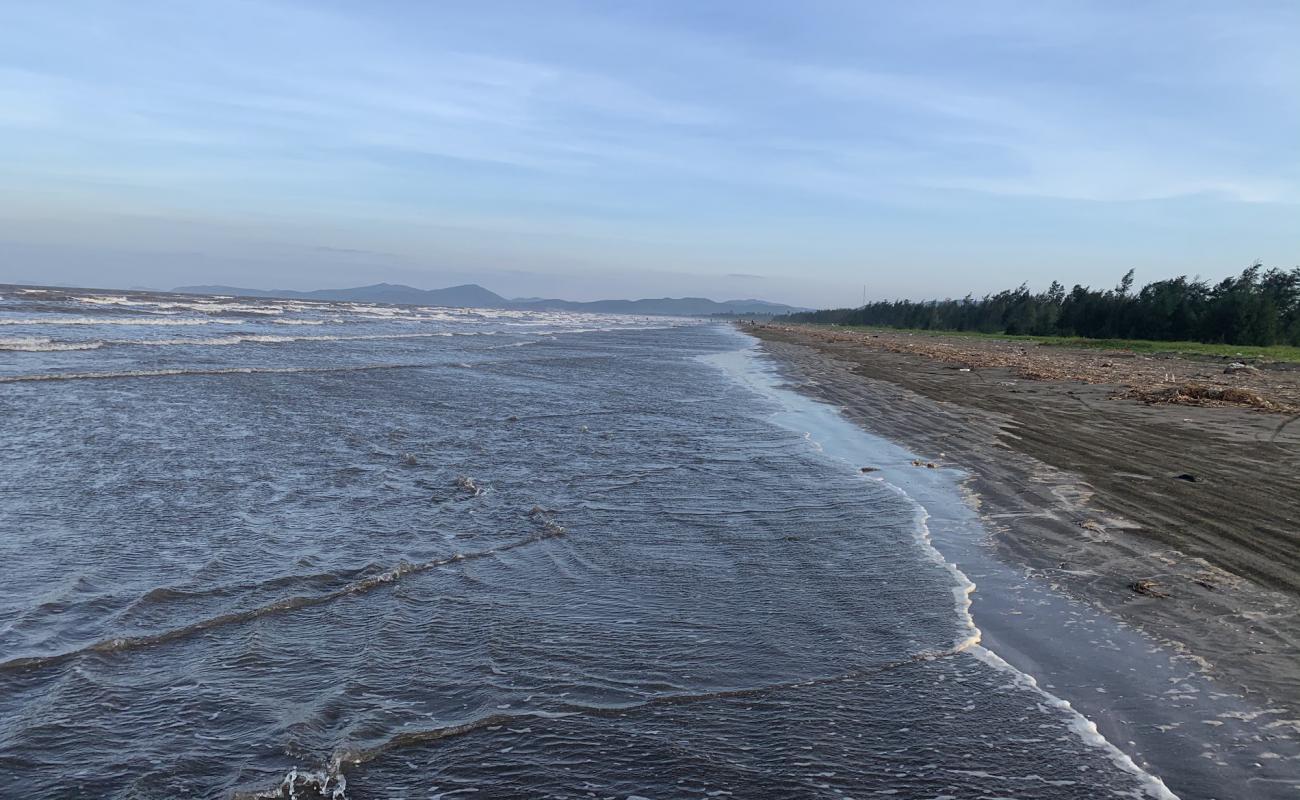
(1149, 588)
(1238, 367)
(1092, 525)
(1139, 377)
(302, 785)
(869, 469)
(1192, 394)
(1187, 476)
(467, 483)
(1216, 579)
(542, 518)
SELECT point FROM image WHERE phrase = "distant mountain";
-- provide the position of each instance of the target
(472, 295)
(672, 306)
(469, 295)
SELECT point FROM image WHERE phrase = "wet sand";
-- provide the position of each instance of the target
(1183, 521)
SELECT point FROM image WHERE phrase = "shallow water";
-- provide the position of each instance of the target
(554, 555)
(1151, 704)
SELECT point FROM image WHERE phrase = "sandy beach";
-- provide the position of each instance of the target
(1180, 519)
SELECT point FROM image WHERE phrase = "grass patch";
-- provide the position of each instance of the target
(1274, 353)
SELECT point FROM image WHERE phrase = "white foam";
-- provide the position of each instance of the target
(203, 304)
(36, 344)
(271, 338)
(165, 373)
(106, 300)
(1083, 727)
(167, 321)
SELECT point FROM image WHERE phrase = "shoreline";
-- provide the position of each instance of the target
(942, 522)
(1151, 687)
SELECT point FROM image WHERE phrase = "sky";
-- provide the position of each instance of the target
(796, 152)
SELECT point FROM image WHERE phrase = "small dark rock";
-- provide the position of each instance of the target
(1187, 476)
(871, 469)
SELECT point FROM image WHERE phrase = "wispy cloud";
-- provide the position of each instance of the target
(633, 135)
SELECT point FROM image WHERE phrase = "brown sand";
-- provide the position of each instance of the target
(1182, 519)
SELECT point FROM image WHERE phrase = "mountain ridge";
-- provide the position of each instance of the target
(472, 295)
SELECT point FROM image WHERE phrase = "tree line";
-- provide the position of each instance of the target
(1258, 307)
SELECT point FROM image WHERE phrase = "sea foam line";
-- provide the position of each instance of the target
(138, 321)
(167, 373)
(37, 344)
(43, 344)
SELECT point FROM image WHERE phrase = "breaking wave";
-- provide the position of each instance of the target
(44, 344)
(39, 344)
(165, 373)
(140, 321)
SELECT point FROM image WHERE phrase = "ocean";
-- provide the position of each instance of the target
(267, 548)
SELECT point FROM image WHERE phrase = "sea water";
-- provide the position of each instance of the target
(272, 548)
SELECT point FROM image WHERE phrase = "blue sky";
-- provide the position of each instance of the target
(791, 151)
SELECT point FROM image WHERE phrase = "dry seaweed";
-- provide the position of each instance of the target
(1147, 378)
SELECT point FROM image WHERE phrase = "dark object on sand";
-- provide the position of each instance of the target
(1149, 588)
(870, 469)
(1187, 476)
